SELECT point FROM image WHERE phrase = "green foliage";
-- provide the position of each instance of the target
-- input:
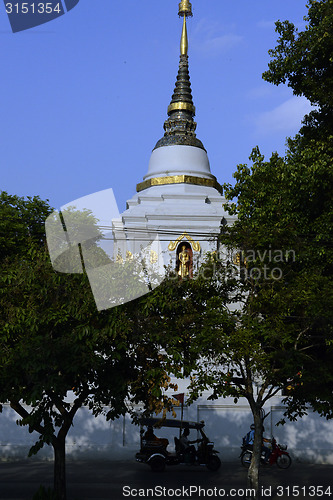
(304, 59)
(54, 342)
(22, 220)
(284, 213)
(176, 316)
(45, 494)
(271, 319)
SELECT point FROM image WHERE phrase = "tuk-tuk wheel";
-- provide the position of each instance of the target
(214, 463)
(157, 464)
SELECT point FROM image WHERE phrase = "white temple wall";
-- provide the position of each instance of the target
(310, 439)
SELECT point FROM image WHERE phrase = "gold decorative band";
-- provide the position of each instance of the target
(181, 106)
(179, 179)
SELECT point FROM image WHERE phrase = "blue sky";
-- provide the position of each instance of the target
(83, 98)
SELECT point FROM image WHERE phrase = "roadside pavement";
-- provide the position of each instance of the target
(110, 480)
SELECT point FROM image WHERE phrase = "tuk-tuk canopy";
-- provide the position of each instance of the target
(170, 422)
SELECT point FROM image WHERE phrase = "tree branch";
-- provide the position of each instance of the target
(270, 394)
(299, 336)
(68, 420)
(25, 414)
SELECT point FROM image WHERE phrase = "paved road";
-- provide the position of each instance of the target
(128, 479)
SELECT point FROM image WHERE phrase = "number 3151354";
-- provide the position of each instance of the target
(33, 8)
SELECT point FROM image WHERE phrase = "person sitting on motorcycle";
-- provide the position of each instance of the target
(150, 437)
(249, 440)
(187, 445)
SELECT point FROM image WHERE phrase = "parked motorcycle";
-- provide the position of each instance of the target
(279, 455)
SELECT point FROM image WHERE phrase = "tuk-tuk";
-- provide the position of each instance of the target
(153, 450)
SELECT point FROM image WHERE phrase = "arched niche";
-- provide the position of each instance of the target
(184, 260)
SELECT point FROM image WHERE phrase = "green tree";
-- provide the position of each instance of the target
(175, 314)
(213, 328)
(21, 220)
(268, 300)
(53, 340)
(304, 59)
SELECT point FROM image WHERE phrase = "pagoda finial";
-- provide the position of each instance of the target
(180, 126)
(185, 9)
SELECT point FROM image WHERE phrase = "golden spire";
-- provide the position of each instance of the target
(184, 9)
(180, 126)
(184, 40)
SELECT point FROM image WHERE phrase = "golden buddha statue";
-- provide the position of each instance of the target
(183, 262)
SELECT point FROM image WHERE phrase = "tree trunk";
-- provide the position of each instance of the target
(253, 474)
(59, 468)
